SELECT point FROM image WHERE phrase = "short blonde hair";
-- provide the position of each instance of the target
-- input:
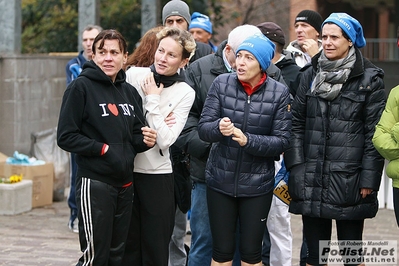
(183, 37)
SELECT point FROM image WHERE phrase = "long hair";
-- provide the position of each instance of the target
(143, 55)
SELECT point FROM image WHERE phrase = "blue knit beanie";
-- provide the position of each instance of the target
(261, 47)
(201, 21)
(350, 26)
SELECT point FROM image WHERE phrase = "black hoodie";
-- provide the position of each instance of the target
(95, 111)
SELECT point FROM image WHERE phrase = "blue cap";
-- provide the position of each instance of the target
(350, 26)
(261, 47)
(201, 21)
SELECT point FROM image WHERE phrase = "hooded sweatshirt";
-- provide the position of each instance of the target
(95, 111)
(301, 58)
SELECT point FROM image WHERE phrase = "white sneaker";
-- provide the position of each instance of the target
(73, 225)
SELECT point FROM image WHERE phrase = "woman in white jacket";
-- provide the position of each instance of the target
(167, 100)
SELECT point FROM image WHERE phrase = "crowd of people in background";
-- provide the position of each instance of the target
(250, 115)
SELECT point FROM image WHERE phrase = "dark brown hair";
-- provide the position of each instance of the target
(110, 35)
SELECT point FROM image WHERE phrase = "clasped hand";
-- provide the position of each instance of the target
(150, 136)
(149, 86)
(227, 128)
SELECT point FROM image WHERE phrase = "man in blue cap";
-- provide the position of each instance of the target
(201, 29)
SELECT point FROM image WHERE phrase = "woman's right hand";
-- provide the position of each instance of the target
(150, 136)
(226, 127)
(149, 86)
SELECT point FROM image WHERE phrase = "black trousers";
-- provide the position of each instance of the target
(104, 215)
(152, 222)
(396, 203)
(316, 229)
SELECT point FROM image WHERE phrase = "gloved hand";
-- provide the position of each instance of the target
(75, 69)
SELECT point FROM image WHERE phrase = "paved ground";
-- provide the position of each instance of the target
(41, 237)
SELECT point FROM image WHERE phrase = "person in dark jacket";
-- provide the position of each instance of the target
(200, 75)
(246, 117)
(72, 70)
(335, 171)
(101, 121)
(277, 239)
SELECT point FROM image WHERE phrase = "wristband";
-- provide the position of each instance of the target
(104, 149)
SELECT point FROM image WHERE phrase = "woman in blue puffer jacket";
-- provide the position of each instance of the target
(247, 119)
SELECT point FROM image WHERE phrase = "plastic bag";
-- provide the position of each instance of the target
(281, 184)
(44, 147)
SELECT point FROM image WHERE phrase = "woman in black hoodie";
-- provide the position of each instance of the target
(101, 121)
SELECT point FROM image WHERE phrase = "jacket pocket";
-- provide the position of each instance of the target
(351, 105)
(343, 184)
(296, 182)
(112, 163)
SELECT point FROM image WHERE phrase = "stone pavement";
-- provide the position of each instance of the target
(41, 236)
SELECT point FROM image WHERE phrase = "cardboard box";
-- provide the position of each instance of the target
(3, 157)
(42, 177)
(15, 198)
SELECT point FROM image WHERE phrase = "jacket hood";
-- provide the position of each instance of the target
(218, 68)
(294, 47)
(94, 72)
(287, 60)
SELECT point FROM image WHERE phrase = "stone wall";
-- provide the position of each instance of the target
(31, 90)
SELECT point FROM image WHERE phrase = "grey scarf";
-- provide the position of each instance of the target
(331, 75)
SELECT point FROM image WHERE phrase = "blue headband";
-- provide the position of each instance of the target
(350, 26)
(201, 21)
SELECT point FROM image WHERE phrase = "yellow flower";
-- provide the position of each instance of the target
(12, 179)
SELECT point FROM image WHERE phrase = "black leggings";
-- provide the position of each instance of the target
(317, 229)
(250, 212)
(396, 203)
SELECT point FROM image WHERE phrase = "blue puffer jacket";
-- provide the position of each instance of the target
(264, 117)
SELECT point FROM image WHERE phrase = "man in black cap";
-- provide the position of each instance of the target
(307, 29)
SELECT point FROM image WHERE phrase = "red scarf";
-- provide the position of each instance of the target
(247, 87)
